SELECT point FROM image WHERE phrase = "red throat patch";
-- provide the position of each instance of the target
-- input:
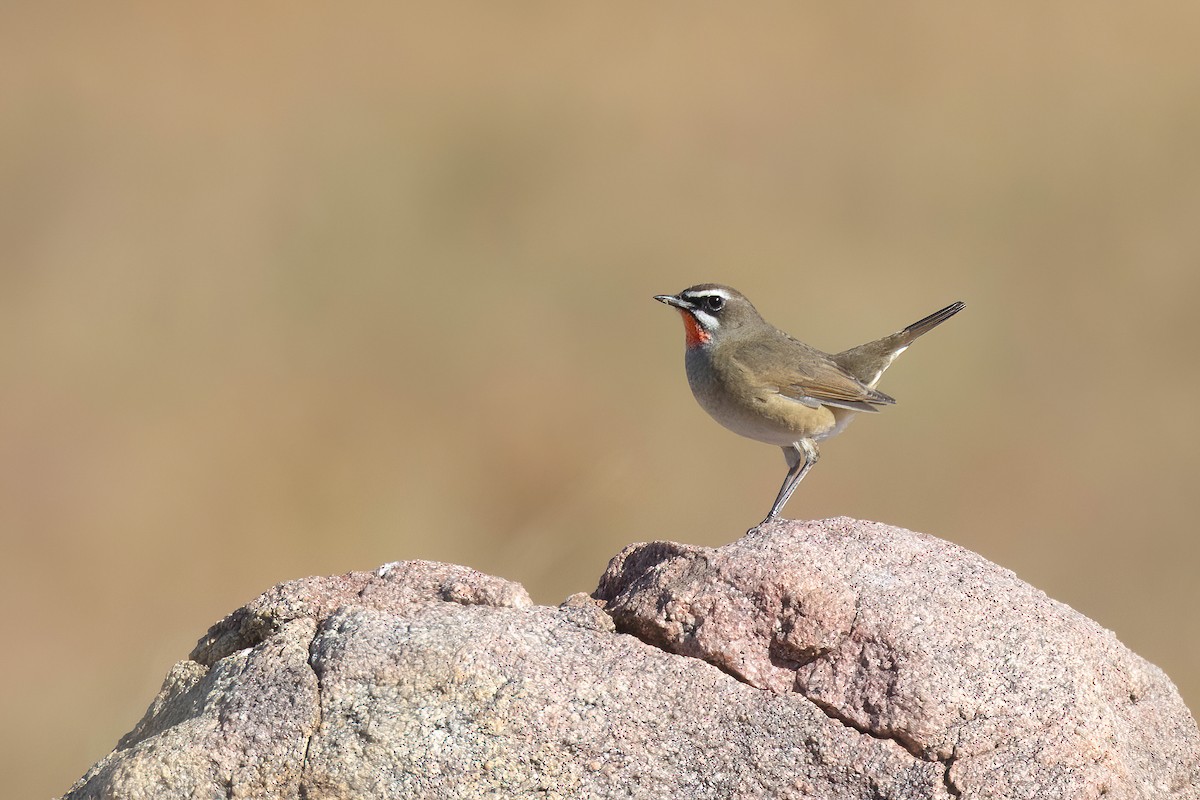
(696, 335)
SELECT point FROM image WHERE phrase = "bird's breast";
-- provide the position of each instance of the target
(749, 409)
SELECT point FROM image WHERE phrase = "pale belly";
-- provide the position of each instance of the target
(762, 415)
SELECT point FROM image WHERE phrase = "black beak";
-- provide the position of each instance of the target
(673, 300)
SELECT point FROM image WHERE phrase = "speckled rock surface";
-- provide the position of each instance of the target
(837, 659)
(918, 641)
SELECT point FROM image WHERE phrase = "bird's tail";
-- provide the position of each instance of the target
(923, 326)
(867, 362)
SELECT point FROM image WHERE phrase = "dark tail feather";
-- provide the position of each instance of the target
(923, 326)
(867, 362)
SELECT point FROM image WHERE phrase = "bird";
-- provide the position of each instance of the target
(765, 385)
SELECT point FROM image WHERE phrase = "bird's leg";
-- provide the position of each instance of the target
(801, 457)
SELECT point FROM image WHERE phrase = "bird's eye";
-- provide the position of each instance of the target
(714, 302)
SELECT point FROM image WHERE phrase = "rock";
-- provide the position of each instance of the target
(833, 659)
(910, 639)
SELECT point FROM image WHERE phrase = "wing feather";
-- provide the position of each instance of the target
(805, 374)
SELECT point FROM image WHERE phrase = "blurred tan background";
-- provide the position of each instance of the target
(287, 290)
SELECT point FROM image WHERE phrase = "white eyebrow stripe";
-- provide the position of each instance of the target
(721, 293)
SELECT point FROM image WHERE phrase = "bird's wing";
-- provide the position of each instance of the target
(805, 374)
